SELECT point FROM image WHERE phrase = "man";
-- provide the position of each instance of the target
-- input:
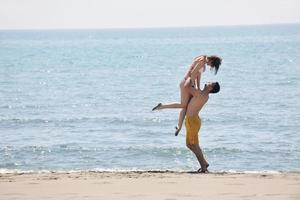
(192, 120)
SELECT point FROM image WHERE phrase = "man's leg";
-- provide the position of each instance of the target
(195, 148)
(193, 126)
(200, 156)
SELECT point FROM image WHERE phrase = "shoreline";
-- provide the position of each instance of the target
(137, 173)
(137, 170)
(149, 185)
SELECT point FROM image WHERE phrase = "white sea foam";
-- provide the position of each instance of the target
(101, 170)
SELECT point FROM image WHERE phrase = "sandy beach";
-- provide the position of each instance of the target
(149, 185)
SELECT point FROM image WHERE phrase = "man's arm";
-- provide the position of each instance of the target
(189, 88)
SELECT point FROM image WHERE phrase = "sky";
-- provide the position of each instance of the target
(73, 14)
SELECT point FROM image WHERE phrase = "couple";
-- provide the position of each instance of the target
(192, 101)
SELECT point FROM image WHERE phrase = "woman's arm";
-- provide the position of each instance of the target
(200, 64)
(198, 81)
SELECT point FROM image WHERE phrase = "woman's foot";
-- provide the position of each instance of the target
(157, 107)
(177, 130)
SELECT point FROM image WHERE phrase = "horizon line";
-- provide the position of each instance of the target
(149, 27)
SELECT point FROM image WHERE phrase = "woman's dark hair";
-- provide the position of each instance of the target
(216, 88)
(215, 62)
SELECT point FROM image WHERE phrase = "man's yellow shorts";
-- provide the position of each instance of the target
(193, 125)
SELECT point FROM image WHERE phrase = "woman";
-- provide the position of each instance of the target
(194, 73)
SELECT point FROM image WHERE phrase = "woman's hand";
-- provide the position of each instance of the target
(197, 60)
(199, 57)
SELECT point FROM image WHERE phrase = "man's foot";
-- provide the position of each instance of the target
(157, 107)
(200, 170)
(207, 165)
(177, 130)
(203, 171)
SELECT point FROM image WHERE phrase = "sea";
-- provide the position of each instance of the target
(81, 100)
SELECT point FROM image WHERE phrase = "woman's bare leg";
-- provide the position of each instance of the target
(185, 98)
(161, 106)
(180, 121)
(172, 105)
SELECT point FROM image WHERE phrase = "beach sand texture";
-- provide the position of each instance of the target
(149, 185)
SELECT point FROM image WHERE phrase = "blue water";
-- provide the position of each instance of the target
(82, 99)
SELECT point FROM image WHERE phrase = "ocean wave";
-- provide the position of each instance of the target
(74, 147)
(144, 149)
(111, 120)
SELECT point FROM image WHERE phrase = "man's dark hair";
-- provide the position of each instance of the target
(216, 61)
(216, 88)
